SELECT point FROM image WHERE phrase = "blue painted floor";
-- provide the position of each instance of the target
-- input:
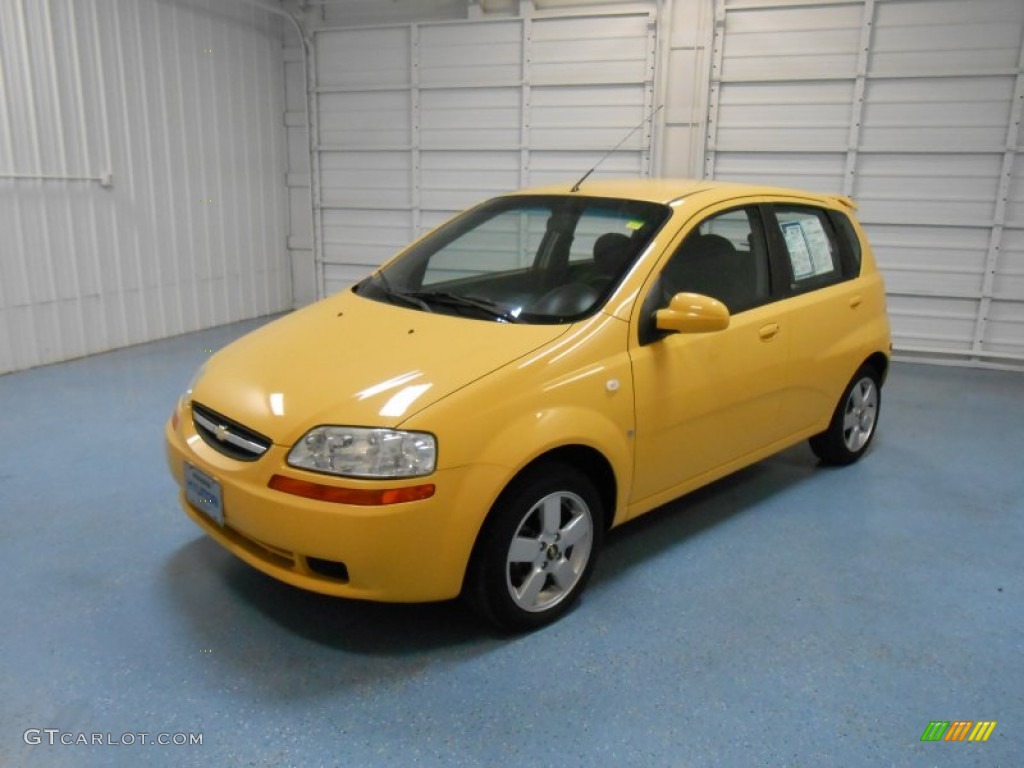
(790, 615)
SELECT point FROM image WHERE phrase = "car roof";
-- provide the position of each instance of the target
(661, 190)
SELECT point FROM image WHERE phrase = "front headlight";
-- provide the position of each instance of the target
(363, 452)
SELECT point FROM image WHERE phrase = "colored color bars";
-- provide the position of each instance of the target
(958, 730)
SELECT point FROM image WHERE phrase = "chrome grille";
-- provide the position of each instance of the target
(227, 436)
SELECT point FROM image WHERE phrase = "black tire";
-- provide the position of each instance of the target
(854, 421)
(517, 587)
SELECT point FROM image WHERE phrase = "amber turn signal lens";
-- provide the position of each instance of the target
(360, 496)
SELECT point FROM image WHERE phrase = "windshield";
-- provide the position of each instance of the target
(524, 258)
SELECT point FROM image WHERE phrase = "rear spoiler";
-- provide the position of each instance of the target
(845, 201)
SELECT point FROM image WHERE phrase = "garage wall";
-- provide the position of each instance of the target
(414, 122)
(685, 42)
(142, 161)
(913, 107)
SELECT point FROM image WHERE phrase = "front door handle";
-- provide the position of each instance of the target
(855, 301)
(768, 332)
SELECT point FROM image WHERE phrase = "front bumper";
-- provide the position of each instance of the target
(408, 552)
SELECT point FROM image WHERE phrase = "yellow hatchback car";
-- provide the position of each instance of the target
(472, 417)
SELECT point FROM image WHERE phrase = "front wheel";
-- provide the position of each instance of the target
(537, 548)
(853, 423)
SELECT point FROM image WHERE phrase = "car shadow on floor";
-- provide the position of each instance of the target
(218, 592)
(202, 567)
(672, 524)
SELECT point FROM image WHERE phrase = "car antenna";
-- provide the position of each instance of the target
(576, 186)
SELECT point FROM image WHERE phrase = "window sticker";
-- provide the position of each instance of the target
(817, 241)
(799, 253)
(809, 250)
(634, 224)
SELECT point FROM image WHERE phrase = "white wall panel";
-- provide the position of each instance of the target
(565, 167)
(933, 37)
(803, 170)
(454, 180)
(364, 238)
(369, 57)
(951, 258)
(598, 49)
(932, 322)
(806, 42)
(354, 13)
(365, 119)
(913, 107)
(181, 104)
(417, 122)
(1004, 328)
(961, 114)
(591, 117)
(381, 169)
(470, 118)
(481, 53)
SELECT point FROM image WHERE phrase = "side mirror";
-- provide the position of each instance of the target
(692, 313)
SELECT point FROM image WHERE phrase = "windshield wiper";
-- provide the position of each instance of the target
(390, 293)
(492, 308)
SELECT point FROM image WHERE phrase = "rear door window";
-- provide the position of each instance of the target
(811, 249)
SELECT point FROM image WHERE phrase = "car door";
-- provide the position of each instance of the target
(706, 400)
(826, 305)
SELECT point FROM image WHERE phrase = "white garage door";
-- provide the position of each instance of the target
(416, 122)
(913, 107)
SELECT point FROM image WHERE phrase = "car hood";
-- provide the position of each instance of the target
(354, 361)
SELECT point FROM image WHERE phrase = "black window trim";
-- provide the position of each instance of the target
(851, 251)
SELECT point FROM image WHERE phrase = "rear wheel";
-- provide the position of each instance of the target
(853, 423)
(537, 548)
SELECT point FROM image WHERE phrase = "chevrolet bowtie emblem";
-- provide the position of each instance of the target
(221, 432)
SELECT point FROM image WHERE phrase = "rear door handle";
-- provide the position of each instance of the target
(768, 332)
(855, 301)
